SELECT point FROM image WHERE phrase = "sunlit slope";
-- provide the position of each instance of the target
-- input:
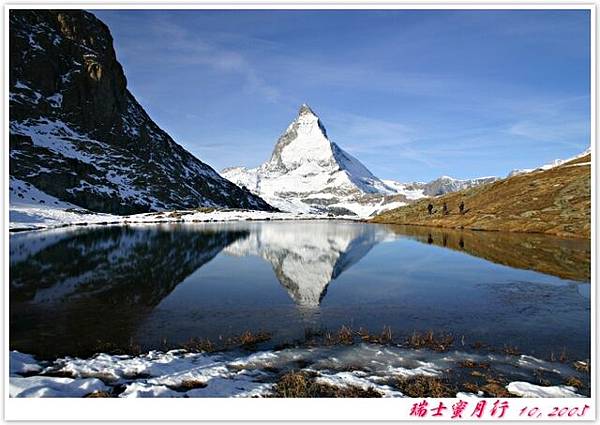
(555, 201)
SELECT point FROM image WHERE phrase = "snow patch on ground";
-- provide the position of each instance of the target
(178, 373)
(32, 209)
(21, 363)
(526, 389)
(42, 386)
(45, 386)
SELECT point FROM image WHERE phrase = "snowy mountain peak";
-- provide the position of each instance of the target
(307, 172)
(306, 110)
(304, 142)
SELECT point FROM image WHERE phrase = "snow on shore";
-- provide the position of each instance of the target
(40, 386)
(32, 209)
(49, 218)
(178, 373)
(526, 389)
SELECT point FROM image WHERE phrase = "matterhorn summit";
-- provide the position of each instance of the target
(307, 172)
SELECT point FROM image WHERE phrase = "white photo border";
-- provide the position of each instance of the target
(257, 409)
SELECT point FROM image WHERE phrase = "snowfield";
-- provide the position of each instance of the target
(179, 373)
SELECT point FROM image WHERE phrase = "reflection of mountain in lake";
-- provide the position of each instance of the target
(120, 264)
(89, 282)
(307, 256)
(565, 258)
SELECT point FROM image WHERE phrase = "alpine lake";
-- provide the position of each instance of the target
(82, 290)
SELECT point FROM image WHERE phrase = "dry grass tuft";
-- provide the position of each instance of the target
(574, 382)
(470, 387)
(470, 364)
(478, 345)
(385, 337)
(430, 340)
(247, 339)
(131, 348)
(199, 345)
(425, 386)
(511, 350)
(303, 385)
(344, 336)
(582, 366)
(561, 357)
(189, 384)
(99, 394)
(495, 389)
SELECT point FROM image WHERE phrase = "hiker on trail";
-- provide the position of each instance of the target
(445, 209)
(430, 208)
(461, 207)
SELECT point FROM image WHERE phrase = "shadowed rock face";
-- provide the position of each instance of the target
(306, 257)
(77, 133)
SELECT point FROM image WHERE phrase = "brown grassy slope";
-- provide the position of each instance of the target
(555, 201)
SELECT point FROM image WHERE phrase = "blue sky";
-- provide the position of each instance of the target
(412, 94)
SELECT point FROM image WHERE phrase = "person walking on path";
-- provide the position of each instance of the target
(430, 208)
(461, 207)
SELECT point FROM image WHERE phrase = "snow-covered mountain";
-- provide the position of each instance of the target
(445, 184)
(79, 135)
(307, 172)
(553, 164)
(306, 257)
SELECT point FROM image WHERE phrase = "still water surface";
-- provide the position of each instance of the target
(81, 290)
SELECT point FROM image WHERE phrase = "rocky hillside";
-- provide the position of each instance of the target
(554, 201)
(79, 135)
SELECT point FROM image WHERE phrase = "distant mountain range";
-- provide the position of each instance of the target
(79, 135)
(309, 173)
(553, 164)
(437, 187)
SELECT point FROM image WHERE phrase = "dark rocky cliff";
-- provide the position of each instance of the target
(77, 133)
